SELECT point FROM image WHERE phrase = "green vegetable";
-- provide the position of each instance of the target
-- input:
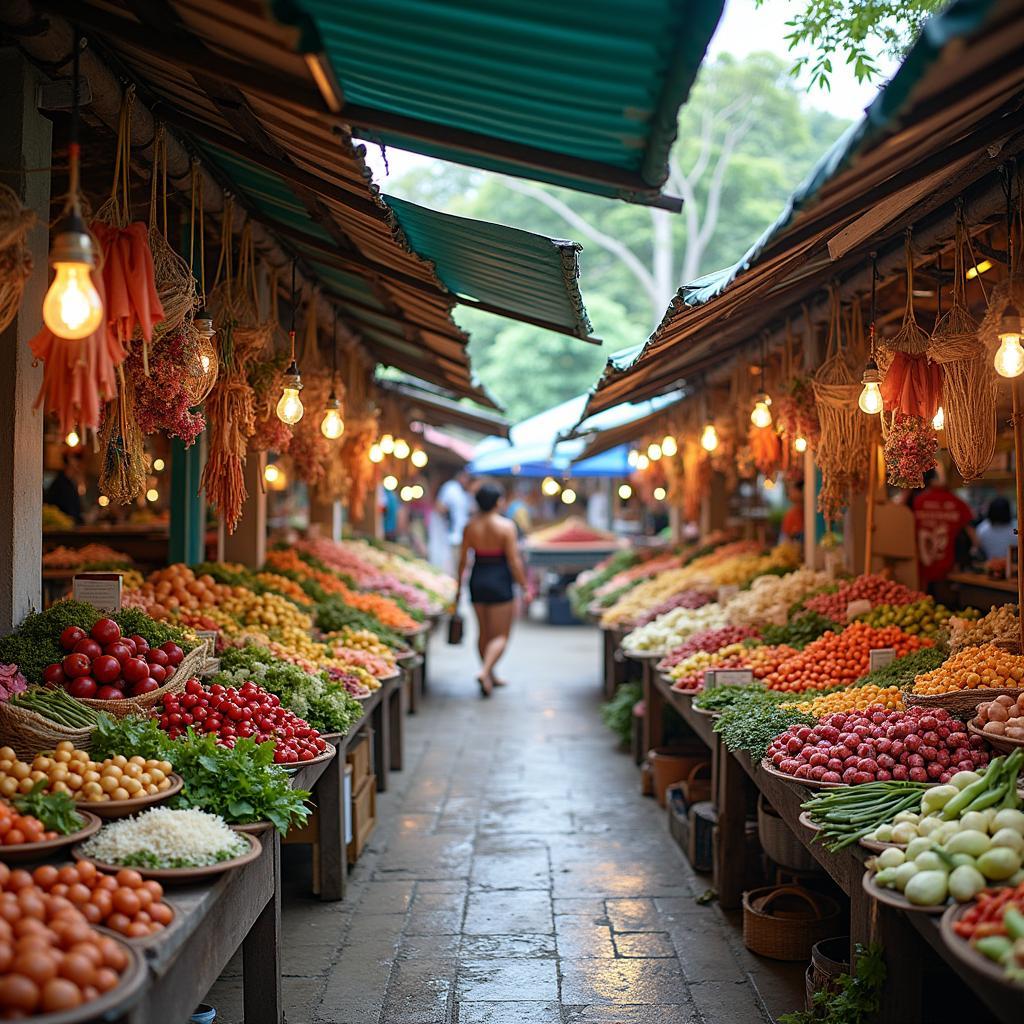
(999, 863)
(853, 999)
(902, 671)
(969, 842)
(927, 888)
(752, 725)
(1013, 920)
(617, 713)
(798, 632)
(333, 614)
(848, 813)
(937, 798)
(718, 698)
(965, 883)
(57, 705)
(904, 873)
(131, 735)
(55, 810)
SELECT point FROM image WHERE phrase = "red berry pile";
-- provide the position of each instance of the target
(684, 599)
(919, 744)
(105, 665)
(874, 589)
(709, 640)
(231, 714)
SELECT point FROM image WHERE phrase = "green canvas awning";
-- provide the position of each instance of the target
(504, 269)
(584, 95)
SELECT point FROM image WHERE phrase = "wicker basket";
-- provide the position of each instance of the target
(961, 704)
(830, 958)
(28, 733)
(190, 667)
(779, 842)
(784, 923)
(1004, 744)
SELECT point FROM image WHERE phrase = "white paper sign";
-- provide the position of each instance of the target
(880, 657)
(727, 677)
(855, 608)
(727, 591)
(100, 589)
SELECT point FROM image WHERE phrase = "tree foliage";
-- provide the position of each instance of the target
(853, 31)
(745, 140)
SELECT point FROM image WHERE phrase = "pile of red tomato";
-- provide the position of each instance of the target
(231, 714)
(837, 659)
(873, 588)
(105, 665)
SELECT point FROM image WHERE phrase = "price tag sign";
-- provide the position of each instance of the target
(727, 591)
(855, 608)
(100, 589)
(880, 657)
(728, 677)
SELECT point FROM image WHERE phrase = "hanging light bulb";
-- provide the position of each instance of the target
(289, 407)
(568, 496)
(72, 308)
(939, 419)
(406, 493)
(669, 448)
(402, 449)
(632, 457)
(642, 463)
(73, 440)
(1009, 361)
(709, 438)
(761, 415)
(800, 444)
(158, 465)
(387, 444)
(550, 486)
(419, 458)
(390, 483)
(660, 493)
(625, 492)
(376, 453)
(271, 473)
(654, 451)
(417, 490)
(332, 426)
(870, 400)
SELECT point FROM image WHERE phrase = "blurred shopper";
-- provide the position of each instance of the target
(65, 490)
(454, 503)
(995, 532)
(940, 517)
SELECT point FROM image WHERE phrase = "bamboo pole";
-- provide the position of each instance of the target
(869, 523)
(1018, 472)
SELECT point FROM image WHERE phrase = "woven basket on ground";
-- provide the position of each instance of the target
(961, 704)
(189, 668)
(779, 842)
(784, 922)
(29, 733)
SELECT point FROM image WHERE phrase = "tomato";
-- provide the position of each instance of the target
(155, 656)
(70, 636)
(119, 649)
(157, 672)
(141, 643)
(147, 685)
(106, 631)
(88, 647)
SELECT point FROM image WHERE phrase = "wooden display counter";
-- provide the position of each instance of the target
(978, 590)
(912, 941)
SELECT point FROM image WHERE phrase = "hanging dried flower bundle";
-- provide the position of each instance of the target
(910, 450)
(123, 474)
(163, 400)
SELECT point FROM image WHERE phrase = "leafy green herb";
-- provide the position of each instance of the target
(718, 698)
(36, 644)
(902, 671)
(134, 620)
(131, 736)
(855, 1000)
(55, 810)
(333, 614)
(617, 713)
(148, 859)
(751, 724)
(798, 632)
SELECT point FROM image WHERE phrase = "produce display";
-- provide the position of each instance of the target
(78, 558)
(571, 531)
(689, 598)
(231, 714)
(673, 628)
(999, 625)
(841, 658)
(1003, 716)
(56, 705)
(71, 771)
(762, 661)
(54, 959)
(751, 721)
(861, 746)
(583, 589)
(849, 813)
(799, 631)
(923, 617)
(994, 926)
(166, 838)
(124, 902)
(877, 590)
(770, 598)
(852, 698)
(709, 641)
(973, 668)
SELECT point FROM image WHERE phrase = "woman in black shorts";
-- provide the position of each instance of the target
(496, 565)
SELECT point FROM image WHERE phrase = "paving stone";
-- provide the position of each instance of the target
(509, 980)
(583, 937)
(431, 946)
(732, 1000)
(509, 913)
(476, 947)
(704, 953)
(633, 915)
(526, 869)
(387, 897)
(677, 1013)
(586, 982)
(509, 1013)
(579, 906)
(644, 944)
(418, 991)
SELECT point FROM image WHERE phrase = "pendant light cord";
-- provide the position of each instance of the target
(291, 332)
(74, 148)
(874, 296)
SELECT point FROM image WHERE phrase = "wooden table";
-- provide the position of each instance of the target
(241, 909)
(912, 940)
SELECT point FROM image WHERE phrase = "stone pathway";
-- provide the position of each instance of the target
(516, 877)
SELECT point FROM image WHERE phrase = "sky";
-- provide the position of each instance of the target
(743, 29)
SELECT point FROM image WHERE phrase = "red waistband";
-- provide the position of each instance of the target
(487, 554)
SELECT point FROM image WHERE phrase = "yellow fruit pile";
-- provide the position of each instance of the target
(853, 698)
(71, 771)
(286, 587)
(361, 640)
(973, 668)
(270, 611)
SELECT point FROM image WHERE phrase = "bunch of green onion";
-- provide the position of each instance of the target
(846, 814)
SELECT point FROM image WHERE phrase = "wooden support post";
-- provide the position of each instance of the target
(654, 710)
(869, 523)
(188, 505)
(730, 831)
(324, 515)
(248, 544)
(25, 147)
(1018, 473)
(810, 510)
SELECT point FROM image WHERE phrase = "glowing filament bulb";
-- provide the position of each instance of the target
(289, 408)
(402, 449)
(709, 438)
(390, 483)
(272, 473)
(632, 457)
(642, 462)
(660, 493)
(332, 426)
(376, 453)
(654, 451)
(1009, 361)
(568, 496)
(550, 486)
(72, 308)
(73, 440)
(419, 458)
(939, 419)
(669, 447)
(761, 415)
(800, 444)
(870, 400)
(387, 444)
(625, 491)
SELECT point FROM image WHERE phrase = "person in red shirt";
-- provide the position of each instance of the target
(792, 526)
(939, 516)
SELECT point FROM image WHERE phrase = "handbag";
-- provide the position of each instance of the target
(455, 628)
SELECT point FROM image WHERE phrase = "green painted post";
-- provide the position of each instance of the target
(188, 524)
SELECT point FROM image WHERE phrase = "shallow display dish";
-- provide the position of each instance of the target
(966, 953)
(327, 755)
(768, 767)
(109, 809)
(22, 852)
(630, 652)
(1004, 744)
(878, 847)
(893, 898)
(182, 876)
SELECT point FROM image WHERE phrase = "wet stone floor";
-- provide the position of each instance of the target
(516, 876)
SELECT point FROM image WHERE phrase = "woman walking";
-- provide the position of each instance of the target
(496, 564)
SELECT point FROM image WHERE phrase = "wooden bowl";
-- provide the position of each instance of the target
(23, 852)
(892, 898)
(967, 954)
(1004, 744)
(768, 767)
(329, 753)
(110, 809)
